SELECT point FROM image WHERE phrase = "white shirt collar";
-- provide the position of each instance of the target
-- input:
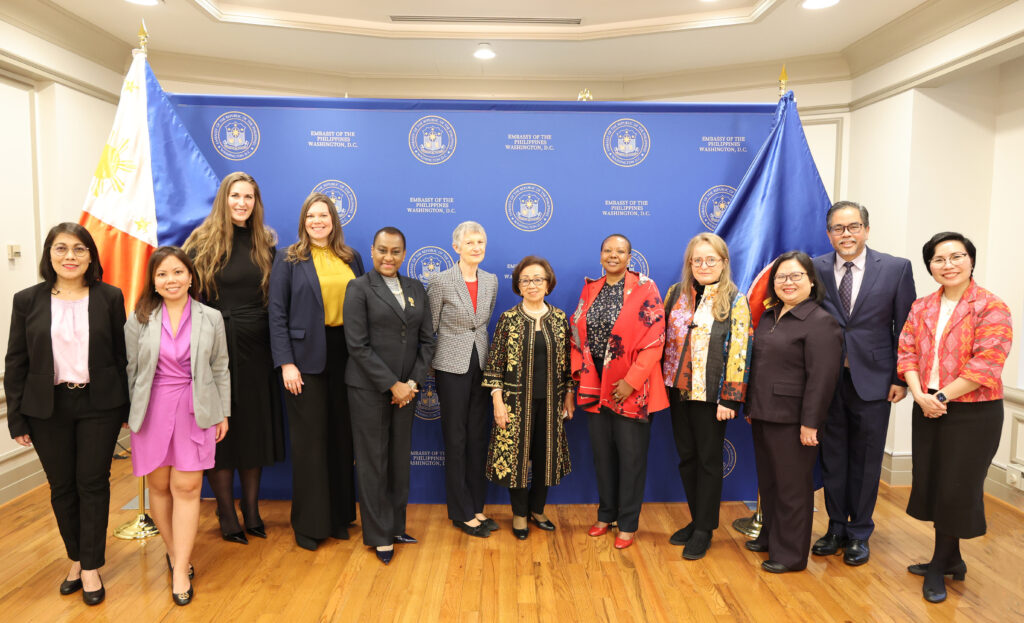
(858, 262)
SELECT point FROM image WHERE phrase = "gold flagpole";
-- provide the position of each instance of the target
(142, 527)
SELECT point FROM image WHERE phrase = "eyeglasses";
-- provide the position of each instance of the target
(794, 277)
(709, 261)
(537, 281)
(853, 228)
(61, 250)
(955, 259)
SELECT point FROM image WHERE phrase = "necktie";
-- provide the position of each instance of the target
(846, 288)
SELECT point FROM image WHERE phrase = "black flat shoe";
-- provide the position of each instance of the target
(698, 545)
(235, 537)
(756, 546)
(405, 538)
(183, 599)
(828, 545)
(490, 523)
(682, 535)
(384, 555)
(934, 594)
(478, 531)
(857, 552)
(957, 570)
(306, 542)
(773, 566)
(92, 598)
(521, 534)
(191, 569)
(70, 586)
(259, 531)
(545, 525)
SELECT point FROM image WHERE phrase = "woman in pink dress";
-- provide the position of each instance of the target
(180, 389)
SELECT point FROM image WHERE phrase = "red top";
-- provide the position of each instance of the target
(472, 286)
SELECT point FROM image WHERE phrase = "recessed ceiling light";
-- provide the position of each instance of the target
(484, 52)
(144, 2)
(819, 4)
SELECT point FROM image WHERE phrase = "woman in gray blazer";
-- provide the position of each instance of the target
(461, 303)
(180, 399)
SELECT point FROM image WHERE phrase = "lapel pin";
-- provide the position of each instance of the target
(411, 302)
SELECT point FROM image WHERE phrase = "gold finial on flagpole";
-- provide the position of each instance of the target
(143, 36)
(584, 96)
(783, 79)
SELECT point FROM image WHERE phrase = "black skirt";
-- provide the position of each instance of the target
(952, 455)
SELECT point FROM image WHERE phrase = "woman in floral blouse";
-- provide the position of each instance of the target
(531, 387)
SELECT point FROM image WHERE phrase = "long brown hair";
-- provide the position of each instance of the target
(210, 243)
(299, 252)
(149, 300)
(727, 290)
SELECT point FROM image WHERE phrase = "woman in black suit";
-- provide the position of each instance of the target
(390, 343)
(797, 355)
(67, 392)
(307, 340)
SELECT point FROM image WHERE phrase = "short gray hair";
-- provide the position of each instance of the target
(464, 228)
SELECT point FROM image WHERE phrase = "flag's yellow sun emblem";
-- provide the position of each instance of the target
(110, 167)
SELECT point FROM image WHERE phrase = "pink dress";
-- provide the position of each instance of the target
(169, 435)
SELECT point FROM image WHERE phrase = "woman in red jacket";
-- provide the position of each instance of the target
(618, 333)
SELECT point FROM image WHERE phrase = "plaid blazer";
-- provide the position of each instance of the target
(457, 326)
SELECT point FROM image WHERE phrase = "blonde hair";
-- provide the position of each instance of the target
(299, 251)
(209, 245)
(726, 288)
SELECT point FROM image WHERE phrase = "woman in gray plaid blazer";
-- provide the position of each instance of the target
(461, 303)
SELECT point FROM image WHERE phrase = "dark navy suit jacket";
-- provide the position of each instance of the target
(871, 333)
(296, 311)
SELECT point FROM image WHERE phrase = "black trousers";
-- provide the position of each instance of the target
(699, 439)
(852, 445)
(620, 463)
(383, 442)
(785, 479)
(533, 499)
(466, 426)
(75, 446)
(323, 487)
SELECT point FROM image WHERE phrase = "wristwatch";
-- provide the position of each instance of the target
(941, 397)
(412, 383)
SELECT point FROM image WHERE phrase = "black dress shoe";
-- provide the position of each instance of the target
(773, 566)
(521, 534)
(191, 569)
(828, 545)
(92, 598)
(682, 535)
(183, 599)
(491, 524)
(479, 531)
(384, 555)
(934, 594)
(340, 533)
(70, 586)
(957, 570)
(405, 538)
(698, 545)
(306, 542)
(857, 552)
(756, 546)
(259, 530)
(235, 537)
(545, 525)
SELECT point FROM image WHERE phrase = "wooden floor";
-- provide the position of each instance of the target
(562, 576)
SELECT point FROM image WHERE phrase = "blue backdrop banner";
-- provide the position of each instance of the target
(546, 178)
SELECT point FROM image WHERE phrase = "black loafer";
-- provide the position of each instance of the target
(258, 530)
(756, 546)
(235, 537)
(698, 545)
(70, 586)
(545, 525)
(521, 534)
(857, 552)
(932, 595)
(92, 598)
(773, 566)
(306, 542)
(405, 538)
(682, 535)
(183, 599)
(957, 570)
(384, 555)
(490, 523)
(828, 545)
(477, 531)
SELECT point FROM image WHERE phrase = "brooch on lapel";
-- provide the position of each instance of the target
(411, 302)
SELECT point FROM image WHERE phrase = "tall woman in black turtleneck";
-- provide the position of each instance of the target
(233, 252)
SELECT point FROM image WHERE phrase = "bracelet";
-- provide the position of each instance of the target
(496, 389)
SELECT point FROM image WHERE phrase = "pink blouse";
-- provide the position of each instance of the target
(69, 334)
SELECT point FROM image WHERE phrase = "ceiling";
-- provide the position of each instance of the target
(613, 40)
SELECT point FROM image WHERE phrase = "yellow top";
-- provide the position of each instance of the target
(334, 275)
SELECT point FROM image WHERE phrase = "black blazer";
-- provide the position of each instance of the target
(295, 308)
(386, 344)
(28, 378)
(795, 366)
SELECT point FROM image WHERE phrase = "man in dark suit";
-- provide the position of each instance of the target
(390, 341)
(869, 294)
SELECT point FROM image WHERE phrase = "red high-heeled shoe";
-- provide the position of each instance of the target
(597, 531)
(621, 543)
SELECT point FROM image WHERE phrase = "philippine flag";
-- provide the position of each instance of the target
(151, 187)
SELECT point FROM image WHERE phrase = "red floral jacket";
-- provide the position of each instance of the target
(974, 344)
(634, 352)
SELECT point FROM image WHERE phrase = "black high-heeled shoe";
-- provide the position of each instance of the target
(92, 598)
(191, 569)
(384, 555)
(478, 531)
(235, 537)
(958, 570)
(183, 599)
(258, 530)
(545, 525)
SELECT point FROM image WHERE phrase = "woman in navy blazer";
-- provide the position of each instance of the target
(307, 341)
(73, 420)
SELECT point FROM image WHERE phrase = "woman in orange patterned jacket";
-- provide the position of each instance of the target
(951, 354)
(618, 333)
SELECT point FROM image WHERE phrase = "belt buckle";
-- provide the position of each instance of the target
(70, 385)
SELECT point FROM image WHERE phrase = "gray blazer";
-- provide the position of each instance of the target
(211, 381)
(457, 326)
